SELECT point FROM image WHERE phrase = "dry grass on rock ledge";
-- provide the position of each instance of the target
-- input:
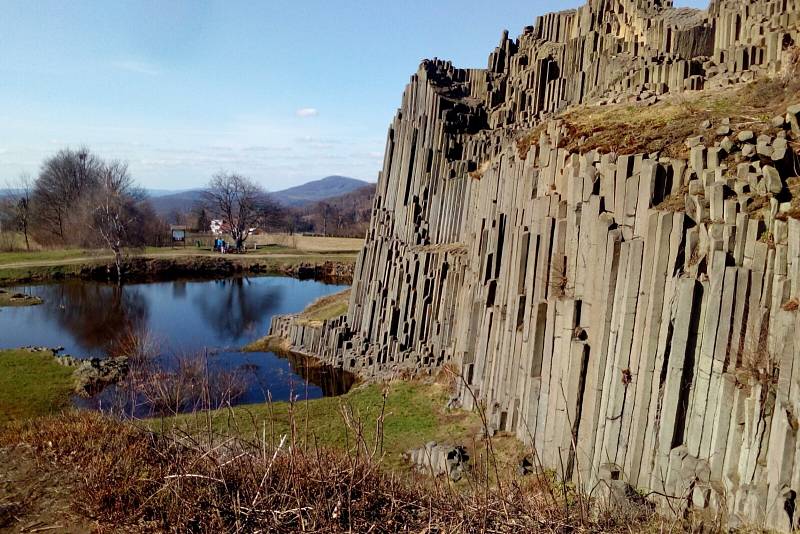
(326, 308)
(664, 127)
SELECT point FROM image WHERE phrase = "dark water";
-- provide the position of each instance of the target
(208, 319)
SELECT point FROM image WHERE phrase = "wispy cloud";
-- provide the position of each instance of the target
(307, 112)
(137, 67)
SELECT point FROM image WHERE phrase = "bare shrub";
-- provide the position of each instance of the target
(184, 383)
(162, 383)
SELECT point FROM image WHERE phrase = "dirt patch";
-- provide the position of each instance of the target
(34, 498)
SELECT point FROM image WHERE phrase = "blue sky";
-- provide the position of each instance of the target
(284, 91)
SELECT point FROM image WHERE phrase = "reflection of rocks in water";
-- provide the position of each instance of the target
(331, 380)
(179, 289)
(97, 315)
(239, 309)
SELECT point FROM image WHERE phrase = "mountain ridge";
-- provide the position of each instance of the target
(297, 196)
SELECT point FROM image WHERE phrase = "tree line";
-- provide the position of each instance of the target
(344, 216)
(79, 199)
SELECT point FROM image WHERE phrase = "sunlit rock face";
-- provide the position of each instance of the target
(633, 317)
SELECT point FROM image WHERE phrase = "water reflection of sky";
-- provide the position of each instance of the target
(217, 316)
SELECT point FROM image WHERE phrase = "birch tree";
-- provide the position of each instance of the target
(114, 211)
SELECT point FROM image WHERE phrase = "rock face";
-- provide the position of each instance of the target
(624, 339)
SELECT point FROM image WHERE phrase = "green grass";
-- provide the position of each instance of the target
(415, 414)
(32, 384)
(48, 255)
(39, 273)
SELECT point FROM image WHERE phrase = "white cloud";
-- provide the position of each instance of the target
(137, 67)
(307, 112)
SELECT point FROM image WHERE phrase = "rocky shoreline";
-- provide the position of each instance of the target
(9, 299)
(92, 375)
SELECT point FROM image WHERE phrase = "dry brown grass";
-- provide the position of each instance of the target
(325, 308)
(675, 202)
(274, 344)
(665, 126)
(757, 365)
(309, 243)
(127, 478)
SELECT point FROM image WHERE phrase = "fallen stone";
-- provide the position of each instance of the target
(774, 184)
(440, 459)
(745, 136)
(727, 145)
(694, 141)
(780, 147)
(525, 467)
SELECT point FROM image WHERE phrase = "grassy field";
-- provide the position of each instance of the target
(268, 244)
(32, 384)
(310, 243)
(56, 255)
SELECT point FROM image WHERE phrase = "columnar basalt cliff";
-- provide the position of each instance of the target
(632, 316)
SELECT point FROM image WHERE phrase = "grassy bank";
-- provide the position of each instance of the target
(32, 384)
(412, 414)
(55, 265)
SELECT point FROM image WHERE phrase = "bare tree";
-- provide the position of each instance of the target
(203, 224)
(64, 180)
(114, 210)
(20, 192)
(238, 201)
(273, 215)
(328, 213)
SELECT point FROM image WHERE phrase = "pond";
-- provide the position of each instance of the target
(209, 319)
